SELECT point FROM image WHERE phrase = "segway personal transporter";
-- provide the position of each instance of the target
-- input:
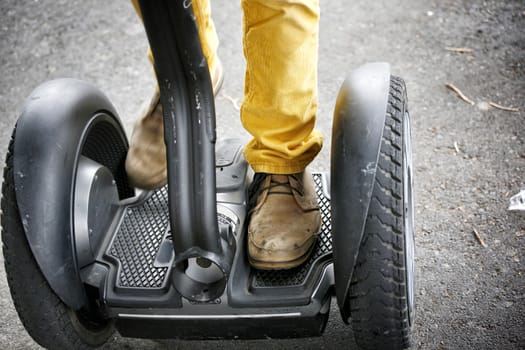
(85, 253)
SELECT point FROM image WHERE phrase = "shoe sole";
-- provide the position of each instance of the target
(282, 265)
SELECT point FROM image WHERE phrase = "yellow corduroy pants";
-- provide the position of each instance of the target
(280, 39)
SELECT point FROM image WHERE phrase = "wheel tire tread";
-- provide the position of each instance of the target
(378, 303)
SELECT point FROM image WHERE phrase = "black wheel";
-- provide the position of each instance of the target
(49, 321)
(381, 294)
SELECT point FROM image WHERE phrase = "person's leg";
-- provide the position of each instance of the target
(279, 110)
(280, 96)
(146, 159)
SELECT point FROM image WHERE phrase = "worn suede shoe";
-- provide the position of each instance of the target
(284, 220)
(146, 158)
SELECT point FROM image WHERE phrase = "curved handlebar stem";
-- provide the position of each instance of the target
(189, 130)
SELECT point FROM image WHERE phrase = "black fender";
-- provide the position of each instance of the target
(359, 119)
(49, 137)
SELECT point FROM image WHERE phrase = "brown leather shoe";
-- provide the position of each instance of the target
(146, 158)
(285, 220)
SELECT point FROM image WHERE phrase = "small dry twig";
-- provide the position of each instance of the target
(456, 147)
(459, 93)
(503, 108)
(478, 237)
(234, 101)
(459, 49)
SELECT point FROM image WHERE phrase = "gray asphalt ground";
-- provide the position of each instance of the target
(469, 158)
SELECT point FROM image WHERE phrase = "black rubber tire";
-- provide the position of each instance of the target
(46, 318)
(381, 292)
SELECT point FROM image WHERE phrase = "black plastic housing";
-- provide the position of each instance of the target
(50, 135)
(359, 120)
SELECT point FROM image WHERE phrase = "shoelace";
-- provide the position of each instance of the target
(274, 183)
(256, 188)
